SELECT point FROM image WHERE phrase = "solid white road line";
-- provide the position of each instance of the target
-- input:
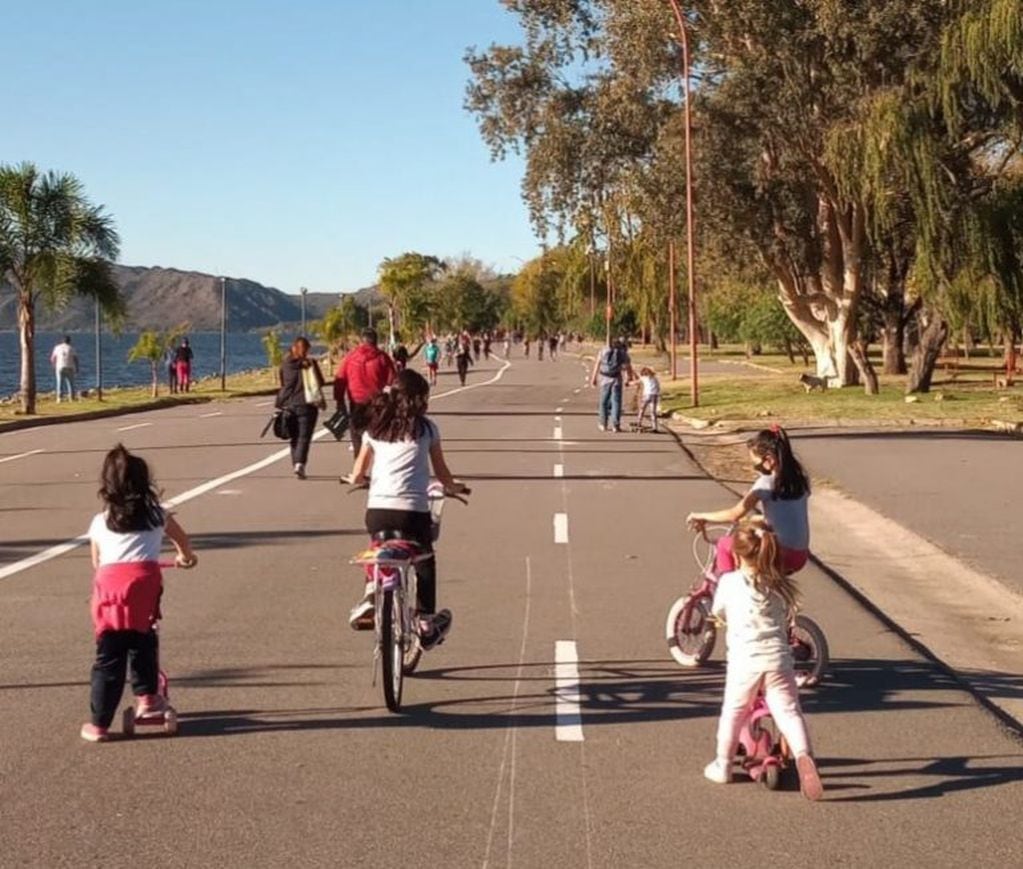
(561, 527)
(21, 456)
(568, 717)
(559, 471)
(62, 548)
(137, 425)
(208, 415)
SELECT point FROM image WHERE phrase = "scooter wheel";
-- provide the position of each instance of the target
(170, 722)
(771, 777)
(128, 721)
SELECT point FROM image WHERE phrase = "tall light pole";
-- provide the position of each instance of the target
(694, 386)
(223, 334)
(302, 291)
(99, 355)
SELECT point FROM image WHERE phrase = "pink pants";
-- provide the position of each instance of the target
(725, 559)
(782, 697)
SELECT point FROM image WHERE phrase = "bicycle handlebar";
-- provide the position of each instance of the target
(457, 496)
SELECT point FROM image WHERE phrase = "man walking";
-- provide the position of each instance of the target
(65, 366)
(361, 375)
(611, 363)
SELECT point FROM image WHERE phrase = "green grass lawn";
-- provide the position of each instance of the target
(245, 383)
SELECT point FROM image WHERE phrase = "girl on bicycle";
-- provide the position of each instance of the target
(126, 539)
(781, 492)
(400, 445)
(756, 602)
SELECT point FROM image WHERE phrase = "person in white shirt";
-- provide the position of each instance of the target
(755, 602)
(400, 445)
(650, 398)
(65, 366)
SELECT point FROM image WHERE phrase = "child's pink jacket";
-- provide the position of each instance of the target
(126, 596)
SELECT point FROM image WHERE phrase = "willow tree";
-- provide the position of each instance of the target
(54, 244)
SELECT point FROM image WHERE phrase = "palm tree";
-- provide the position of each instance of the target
(54, 244)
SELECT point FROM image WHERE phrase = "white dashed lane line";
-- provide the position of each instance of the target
(137, 425)
(568, 717)
(21, 456)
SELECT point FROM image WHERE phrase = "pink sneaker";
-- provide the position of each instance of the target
(150, 706)
(809, 778)
(91, 733)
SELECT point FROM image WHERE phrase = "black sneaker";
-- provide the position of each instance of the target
(440, 624)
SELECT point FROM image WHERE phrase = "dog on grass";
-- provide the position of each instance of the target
(810, 382)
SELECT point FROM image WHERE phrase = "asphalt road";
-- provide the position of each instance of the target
(960, 490)
(287, 756)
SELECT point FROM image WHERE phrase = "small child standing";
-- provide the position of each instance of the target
(651, 396)
(755, 602)
(126, 539)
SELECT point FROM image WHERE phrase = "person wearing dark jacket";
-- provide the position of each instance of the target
(292, 397)
(361, 376)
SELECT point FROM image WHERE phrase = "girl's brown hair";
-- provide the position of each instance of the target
(647, 371)
(790, 479)
(756, 543)
(132, 502)
(398, 413)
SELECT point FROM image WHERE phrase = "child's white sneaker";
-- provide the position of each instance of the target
(718, 772)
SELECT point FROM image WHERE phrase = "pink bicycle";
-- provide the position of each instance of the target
(691, 632)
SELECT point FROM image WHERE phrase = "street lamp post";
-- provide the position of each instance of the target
(694, 386)
(302, 291)
(99, 355)
(223, 334)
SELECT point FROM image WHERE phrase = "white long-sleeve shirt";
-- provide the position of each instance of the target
(757, 625)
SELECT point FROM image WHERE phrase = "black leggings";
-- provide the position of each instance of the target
(303, 426)
(411, 526)
(115, 651)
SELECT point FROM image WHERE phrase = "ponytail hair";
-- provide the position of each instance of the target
(790, 480)
(399, 412)
(757, 544)
(132, 502)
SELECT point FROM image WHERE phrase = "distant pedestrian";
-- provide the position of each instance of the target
(169, 359)
(507, 345)
(301, 395)
(126, 539)
(476, 345)
(400, 357)
(650, 398)
(65, 366)
(360, 377)
(552, 346)
(525, 342)
(463, 358)
(432, 355)
(183, 364)
(612, 364)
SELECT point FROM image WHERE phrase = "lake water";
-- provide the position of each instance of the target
(244, 352)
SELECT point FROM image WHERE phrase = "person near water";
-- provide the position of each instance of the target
(301, 395)
(169, 360)
(65, 368)
(183, 365)
(125, 539)
(359, 378)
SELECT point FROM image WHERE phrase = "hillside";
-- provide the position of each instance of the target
(162, 297)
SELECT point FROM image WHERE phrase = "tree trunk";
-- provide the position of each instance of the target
(713, 341)
(789, 353)
(156, 381)
(27, 334)
(1011, 336)
(893, 337)
(925, 356)
(858, 352)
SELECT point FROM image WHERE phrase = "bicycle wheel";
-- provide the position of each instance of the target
(392, 649)
(689, 631)
(809, 649)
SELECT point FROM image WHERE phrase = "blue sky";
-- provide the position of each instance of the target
(294, 143)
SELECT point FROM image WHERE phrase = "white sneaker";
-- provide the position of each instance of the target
(300, 470)
(718, 772)
(361, 617)
(601, 426)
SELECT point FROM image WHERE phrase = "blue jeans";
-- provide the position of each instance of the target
(66, 377)
(610, 409)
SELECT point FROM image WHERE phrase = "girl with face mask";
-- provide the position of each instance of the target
(780, 492)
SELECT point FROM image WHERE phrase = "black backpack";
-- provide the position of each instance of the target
(612, 362)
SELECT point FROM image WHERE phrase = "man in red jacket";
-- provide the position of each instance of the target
(362, 374)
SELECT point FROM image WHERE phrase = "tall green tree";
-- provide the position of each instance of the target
(54, 244)
(405, 282)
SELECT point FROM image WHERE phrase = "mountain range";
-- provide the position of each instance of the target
(159, 298)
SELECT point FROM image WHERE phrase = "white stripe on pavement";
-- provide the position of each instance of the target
(208, 415)
(559, 471)
(568, 717)
(21, 456)
(558, 409)
(557, 432)
(561, 527)
(137, 425)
